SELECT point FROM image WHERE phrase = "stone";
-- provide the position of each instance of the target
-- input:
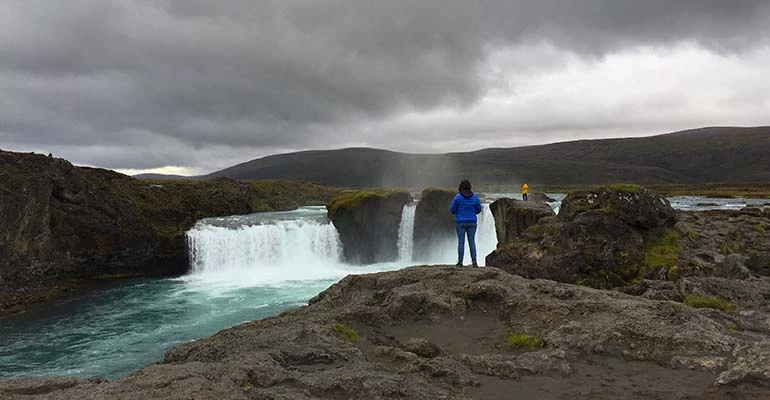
(433, 223)
(367, 222)
(634, 205)
(513, 217)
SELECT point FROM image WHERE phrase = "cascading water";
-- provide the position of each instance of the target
(406, 233)
(271, 252)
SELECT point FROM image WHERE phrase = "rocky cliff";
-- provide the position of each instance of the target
(462, 333)
(513, 217)
(368, 222)
(62, 225)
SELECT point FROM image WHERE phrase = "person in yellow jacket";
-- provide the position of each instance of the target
(524, 191)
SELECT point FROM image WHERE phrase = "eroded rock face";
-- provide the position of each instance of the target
(433, 223)
(368, 222)
(513, 217)
(442, 332)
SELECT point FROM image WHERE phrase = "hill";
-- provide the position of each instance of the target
(717, 154)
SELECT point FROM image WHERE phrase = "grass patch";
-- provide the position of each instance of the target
(661, 251)
(626, 188)
(345, 332)
(518, 341)
(716, 303)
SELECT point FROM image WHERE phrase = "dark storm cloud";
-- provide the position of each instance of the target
(138, 74)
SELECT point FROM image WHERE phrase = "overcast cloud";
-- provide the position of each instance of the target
(201, 85)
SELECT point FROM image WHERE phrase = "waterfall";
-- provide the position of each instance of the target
(406, 233)
(271, 251)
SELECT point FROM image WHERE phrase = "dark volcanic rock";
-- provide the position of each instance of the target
(433, 224)
(61, 225)
(599, 239)
(731, 244)
(539, 198)
(636, 206)
(513, 217)
(368, 222)
(464, 317)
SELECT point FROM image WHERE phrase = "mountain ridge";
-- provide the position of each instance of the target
(701, 155)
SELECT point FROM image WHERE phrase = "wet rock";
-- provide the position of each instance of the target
(368, 222)
(513, 217)
(433, 224)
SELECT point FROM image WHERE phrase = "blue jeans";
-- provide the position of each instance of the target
(466, 228)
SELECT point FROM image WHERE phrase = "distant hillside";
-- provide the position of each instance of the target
(162, 177)
(721, 154)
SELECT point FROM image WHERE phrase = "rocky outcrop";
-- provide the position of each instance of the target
(731, 244)
(61, 225)
(433, 224)
(602, 238)
(455, 333)
(368, 222)
(539, 198)
(635, 206)
(513, 217)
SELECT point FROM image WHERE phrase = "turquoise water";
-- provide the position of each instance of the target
(114, 331)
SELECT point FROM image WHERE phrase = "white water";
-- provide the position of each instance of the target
(406, 233)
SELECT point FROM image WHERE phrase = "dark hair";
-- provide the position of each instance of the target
(465, 186)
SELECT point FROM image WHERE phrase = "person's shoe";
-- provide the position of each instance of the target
(475, 265)
(459, 264)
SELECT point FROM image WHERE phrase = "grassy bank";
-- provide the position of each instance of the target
(714, 190)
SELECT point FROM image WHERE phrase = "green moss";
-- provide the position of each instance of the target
(518, 340)
(345, 332)
(661, 251)
(716, 303)
(626, 188)
(673, 273)
(354, 198)
(693, 235)
(759, 229)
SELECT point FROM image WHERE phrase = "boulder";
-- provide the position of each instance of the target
(513, 217)
(634, 205)
(368, 223)
(602, 238)
(433, 223)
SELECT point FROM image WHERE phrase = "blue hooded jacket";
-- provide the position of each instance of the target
(465, 206)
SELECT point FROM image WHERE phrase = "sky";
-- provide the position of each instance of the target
(192, 86)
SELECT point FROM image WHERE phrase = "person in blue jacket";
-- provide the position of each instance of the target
(465, 206)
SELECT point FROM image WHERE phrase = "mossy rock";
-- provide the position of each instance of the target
(368, 223)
